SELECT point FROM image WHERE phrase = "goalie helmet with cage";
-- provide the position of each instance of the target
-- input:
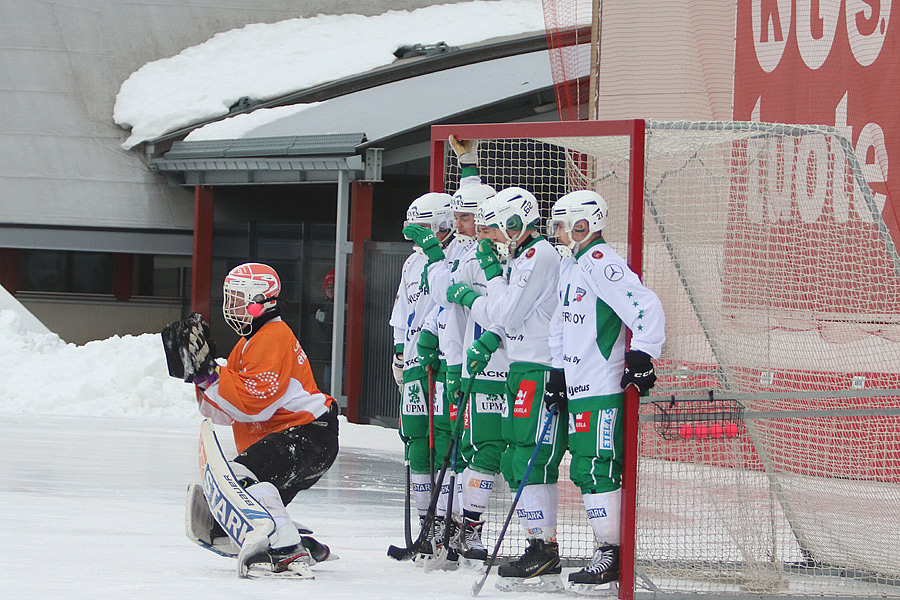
(581, 205)
(512, 209)
(250, 291)
(431, 209)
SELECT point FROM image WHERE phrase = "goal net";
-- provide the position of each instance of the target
(769, 451)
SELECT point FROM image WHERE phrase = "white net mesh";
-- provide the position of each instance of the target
(781, 288)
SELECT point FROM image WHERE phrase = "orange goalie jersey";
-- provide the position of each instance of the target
(268, 386)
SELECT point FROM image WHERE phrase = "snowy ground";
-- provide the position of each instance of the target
(99, 446)
(93, 508)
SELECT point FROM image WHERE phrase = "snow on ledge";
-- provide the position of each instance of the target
(266, 61)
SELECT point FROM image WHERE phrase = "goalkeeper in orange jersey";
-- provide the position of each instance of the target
(285, 429)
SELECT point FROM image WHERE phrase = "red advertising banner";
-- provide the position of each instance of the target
(827, 62)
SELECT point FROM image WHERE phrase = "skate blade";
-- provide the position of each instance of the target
(471, 564)
(440, 560)
(421, 558)
(296, 570)
(608, 590)
(544, 583)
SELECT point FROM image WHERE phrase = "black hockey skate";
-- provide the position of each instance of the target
(443, 557)
(599, 576)
(535, 571)
(425, 549)
(470, 544)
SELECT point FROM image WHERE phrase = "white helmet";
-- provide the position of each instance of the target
(514, 208)
(468, 198)
(250, 290)
(432, 209)
(581, 205)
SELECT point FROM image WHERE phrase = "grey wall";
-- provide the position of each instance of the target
(61, 65)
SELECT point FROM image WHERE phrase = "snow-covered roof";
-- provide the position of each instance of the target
(394, 108)
(265, 61)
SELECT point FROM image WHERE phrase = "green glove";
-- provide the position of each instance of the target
(427, 347)
(453, 382)
(479, 353)
(488, 259)
(460, 293)
(426, 240)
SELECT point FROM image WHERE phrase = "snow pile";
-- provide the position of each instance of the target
(119, 376)
(265, 61)
(238, 125)
(116, 377)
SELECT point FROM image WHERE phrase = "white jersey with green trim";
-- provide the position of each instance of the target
(411, 307)
(478, 320)
(449, 318)
(524, 304)
(599, 296)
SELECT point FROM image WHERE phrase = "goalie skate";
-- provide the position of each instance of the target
(257, 560)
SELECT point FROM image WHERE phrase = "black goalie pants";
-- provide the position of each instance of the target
(295, 459)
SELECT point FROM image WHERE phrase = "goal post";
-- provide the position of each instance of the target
(772, 436)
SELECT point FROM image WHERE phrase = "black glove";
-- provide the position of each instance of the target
(639, 371)
(555, 391)
(190, 353)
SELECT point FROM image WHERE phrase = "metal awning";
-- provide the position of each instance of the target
(319, 158)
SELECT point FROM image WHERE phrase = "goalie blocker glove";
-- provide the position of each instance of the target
(190, 353)
(639, 371)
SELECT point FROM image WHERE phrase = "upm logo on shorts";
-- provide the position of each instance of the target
(524, 398)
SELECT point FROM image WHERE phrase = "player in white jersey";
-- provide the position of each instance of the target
(599, 297)
(430, 212)
(519, 305)
(482, 442)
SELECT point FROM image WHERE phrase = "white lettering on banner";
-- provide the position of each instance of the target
(871, 136)
(771, 26)
(789, 171)
(815, 32)
(816, 27)
(866, 28)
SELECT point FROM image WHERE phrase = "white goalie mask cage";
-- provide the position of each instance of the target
(250, 290)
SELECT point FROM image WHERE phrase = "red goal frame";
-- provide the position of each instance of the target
(635, 130)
